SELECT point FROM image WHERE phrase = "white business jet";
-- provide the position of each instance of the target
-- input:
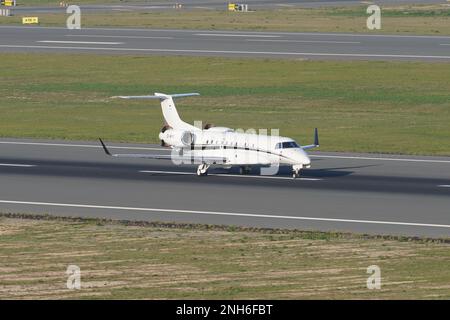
(221, 146)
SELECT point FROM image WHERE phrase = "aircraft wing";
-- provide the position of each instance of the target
(179, 158)
(309, 146)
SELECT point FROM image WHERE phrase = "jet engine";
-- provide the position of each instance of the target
(176, 138)
(164, 129)
(208, 126)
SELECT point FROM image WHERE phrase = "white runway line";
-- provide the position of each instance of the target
(236, 32)
(232, 52)
(79, 42)
(219, 213)
(235, 35)
(167, 172)
(107, 36)
(44, 144)
(231, 175)
(17, 165)
(305, 41)
(444, 186)
(380, 159)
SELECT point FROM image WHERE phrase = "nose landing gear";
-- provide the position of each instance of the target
(296, 171)
(202, 169)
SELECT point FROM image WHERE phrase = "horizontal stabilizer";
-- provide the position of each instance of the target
(160, 96)
(186, 158)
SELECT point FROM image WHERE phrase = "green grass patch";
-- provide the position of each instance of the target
(139, 260)
(391, 107)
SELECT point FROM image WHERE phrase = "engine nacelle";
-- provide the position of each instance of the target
(177, 138)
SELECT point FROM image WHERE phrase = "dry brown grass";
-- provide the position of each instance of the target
(148, 262)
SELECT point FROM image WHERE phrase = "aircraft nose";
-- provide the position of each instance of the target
(299, 156)
(303, 158)
(306, 160)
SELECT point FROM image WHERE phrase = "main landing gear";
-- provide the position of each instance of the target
(245, 170)
(202, 169)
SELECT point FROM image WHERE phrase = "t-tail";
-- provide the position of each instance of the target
(169, 110)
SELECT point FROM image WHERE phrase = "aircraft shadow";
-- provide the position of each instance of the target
(286, 171)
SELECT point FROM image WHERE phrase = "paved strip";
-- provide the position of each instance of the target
(79, 42)
(48, 144)
(234, 35)
(232, 175)
(381, 159)
(77, 145)
(351, 188)
(306, 41)
(118, 36)
(232, 52)
(16, 165)
(230, 43)
(431, 37)
(219, 213)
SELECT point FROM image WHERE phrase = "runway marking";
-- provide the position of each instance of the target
(17, 165)
(269, 53)
(444, 186)
(381, 159)
(79, 42)
(106, 36)
(231, 175)
(235, 35)
(304, 41)
(167, 172)
(168, 150)
(80, 145)
(237, 32)
(284, 5)
(444, 44)
(220, 213)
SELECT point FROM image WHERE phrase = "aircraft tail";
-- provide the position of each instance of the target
(169, 110)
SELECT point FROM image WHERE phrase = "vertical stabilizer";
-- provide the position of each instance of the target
(169, 110)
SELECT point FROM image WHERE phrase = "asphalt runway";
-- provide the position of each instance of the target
(364, 193)
(225, 43)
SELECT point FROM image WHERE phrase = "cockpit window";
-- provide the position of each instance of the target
(286, 145)
(290, 144)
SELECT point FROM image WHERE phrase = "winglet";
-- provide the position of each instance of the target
(316, 137)
(104, 147)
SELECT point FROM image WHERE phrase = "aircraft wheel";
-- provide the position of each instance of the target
(245, 170)
(202, 170)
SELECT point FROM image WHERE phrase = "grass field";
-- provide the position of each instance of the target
(392, 107)
(414, 19)
(149, 261)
